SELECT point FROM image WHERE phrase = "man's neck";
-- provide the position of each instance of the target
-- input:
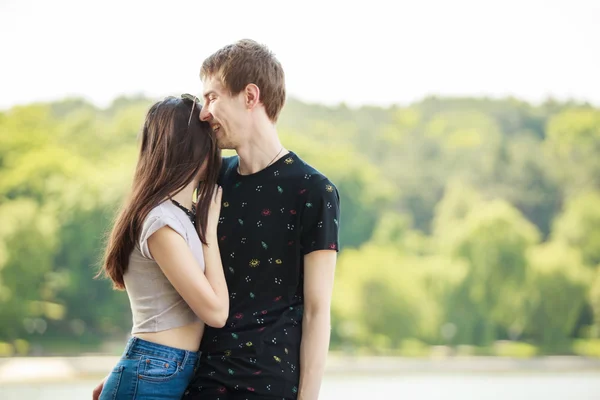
(261, 151)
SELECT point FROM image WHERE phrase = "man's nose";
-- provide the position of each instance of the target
(205, 114)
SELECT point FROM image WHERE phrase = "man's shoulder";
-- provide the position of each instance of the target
(310, 172)
(228, 164)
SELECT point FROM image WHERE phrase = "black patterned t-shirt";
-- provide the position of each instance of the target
(269, 221)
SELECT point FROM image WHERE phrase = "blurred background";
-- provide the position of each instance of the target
(464, 138)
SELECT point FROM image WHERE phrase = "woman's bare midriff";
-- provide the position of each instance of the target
(184, 337)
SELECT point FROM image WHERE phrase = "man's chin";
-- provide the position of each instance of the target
(224, 145)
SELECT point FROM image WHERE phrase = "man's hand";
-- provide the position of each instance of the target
(98, 389)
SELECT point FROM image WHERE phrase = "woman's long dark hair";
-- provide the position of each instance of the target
(175, 145)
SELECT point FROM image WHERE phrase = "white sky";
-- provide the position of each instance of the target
(370, 52)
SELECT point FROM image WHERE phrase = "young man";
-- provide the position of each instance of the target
(278, 238)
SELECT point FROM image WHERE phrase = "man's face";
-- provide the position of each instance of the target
(226, 114)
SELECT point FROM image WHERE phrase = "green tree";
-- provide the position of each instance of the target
(579, 226)
(557, 292)
(493, 241)
(573, 142)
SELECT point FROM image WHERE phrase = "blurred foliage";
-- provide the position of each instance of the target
(467, 223)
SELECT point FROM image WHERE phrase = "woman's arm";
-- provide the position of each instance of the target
(207, 293)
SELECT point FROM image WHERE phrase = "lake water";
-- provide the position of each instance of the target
(563, 386)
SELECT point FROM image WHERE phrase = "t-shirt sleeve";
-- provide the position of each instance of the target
(321, 218)
(154, 223)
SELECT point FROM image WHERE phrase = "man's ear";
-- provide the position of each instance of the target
(251, 95)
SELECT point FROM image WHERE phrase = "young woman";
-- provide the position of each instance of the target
(163, 251)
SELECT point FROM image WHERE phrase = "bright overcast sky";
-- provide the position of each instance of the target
(370, 52)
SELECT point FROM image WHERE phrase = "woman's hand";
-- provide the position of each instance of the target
(214, 212)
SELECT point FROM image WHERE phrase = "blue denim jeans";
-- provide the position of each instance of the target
(150, 371)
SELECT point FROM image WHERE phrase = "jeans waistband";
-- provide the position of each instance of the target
(143, 347)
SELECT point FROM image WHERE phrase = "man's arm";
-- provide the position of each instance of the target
(98, 389)
(319, 239)
(319, 271)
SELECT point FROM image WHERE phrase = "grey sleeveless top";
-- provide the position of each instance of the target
(155, 304)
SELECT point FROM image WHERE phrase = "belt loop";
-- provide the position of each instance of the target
(184, 362)
(130, 344)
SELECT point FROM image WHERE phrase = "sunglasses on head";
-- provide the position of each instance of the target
(194, 99)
